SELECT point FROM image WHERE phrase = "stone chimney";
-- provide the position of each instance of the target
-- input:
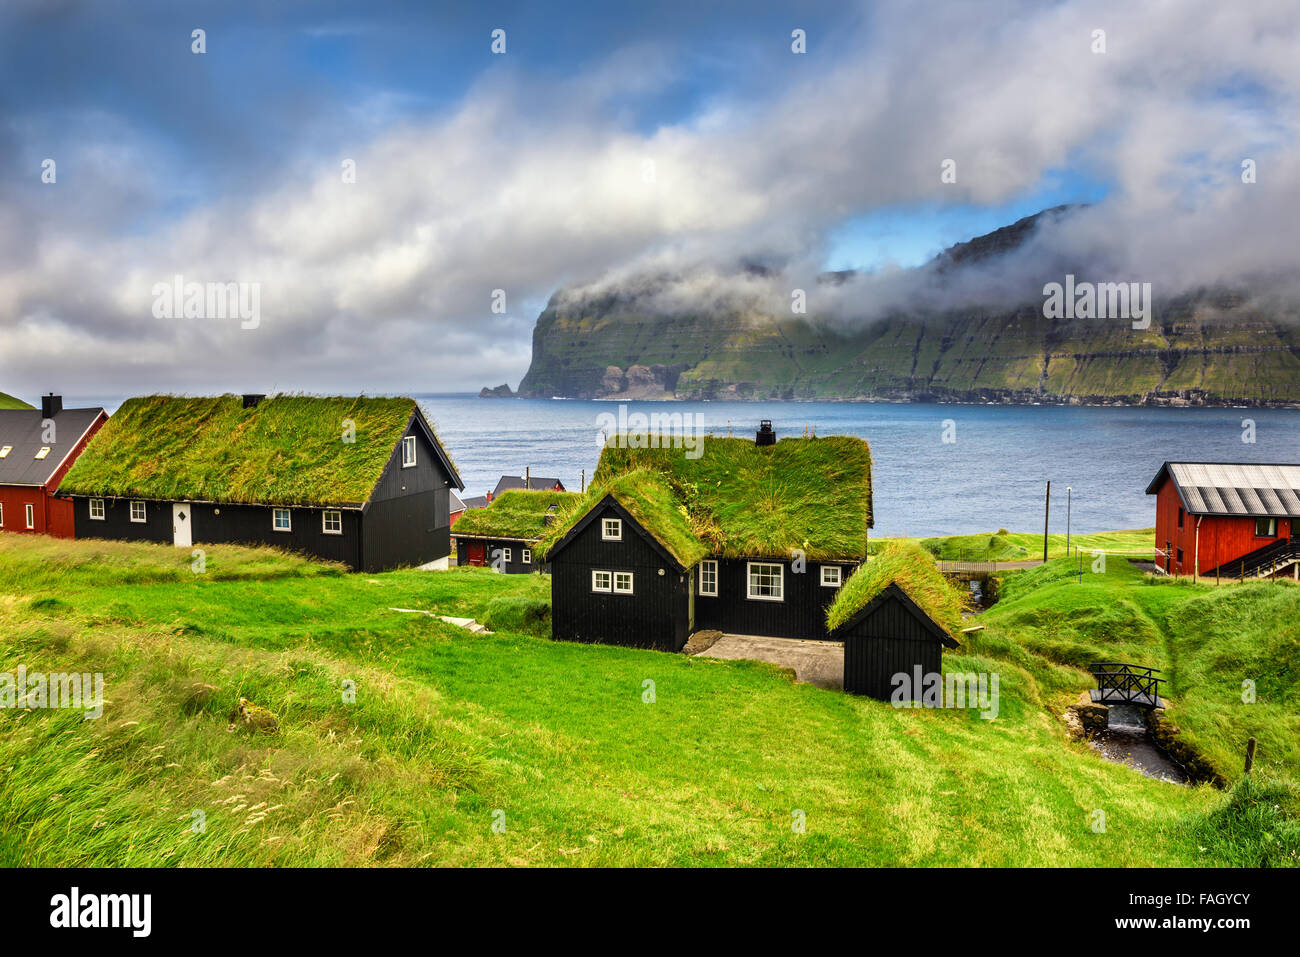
(251, 399)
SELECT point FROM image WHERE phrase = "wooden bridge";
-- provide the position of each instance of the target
(1119, 683)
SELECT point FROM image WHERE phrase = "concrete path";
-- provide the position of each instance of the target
(817, 662)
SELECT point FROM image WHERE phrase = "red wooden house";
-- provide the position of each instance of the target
(1227, 520)
(37, 447)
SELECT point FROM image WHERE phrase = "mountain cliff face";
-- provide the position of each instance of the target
(1207, 348)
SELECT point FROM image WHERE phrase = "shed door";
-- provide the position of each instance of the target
(477, 553)
(182, 533)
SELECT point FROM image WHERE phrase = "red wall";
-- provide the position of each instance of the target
(53, 516)
(1222, 538)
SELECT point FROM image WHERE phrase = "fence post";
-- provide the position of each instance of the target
(1250, 754)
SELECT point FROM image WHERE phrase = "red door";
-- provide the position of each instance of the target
(477, 553)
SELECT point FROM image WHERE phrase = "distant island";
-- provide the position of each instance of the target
(1211, 347)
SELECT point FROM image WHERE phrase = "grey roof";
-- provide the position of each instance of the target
(476, 501)
(535, 484)
(456, 504)
(1227, 488)
(21, 428)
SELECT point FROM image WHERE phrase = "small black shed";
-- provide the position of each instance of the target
(892, 635)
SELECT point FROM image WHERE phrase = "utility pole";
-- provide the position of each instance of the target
(1069, 498)
(1047, 511)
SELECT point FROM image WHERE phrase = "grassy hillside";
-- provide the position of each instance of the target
(1004, 546)
(9, 402)
(450, 732)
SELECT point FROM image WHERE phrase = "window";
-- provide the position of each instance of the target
(611, 529)
(766, 581)
(42, 452)
(137, 511)
(527, 556)
(1180, 556)
(1180, 517)
(97, 509)
(31, 515)
(622, 583)
(601, 581)
(1266, 527)
(505, 555)
(280, 520)
(408, 451)
(332, 521)
(830, 576)
(4, 452)
(2, 515)
(709, 578)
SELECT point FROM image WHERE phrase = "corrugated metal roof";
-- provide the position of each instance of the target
(22, 429)
(1238, 489)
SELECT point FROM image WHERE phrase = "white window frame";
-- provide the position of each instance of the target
(1272, 526)
(608, 586)
(325, 521)
(144, 512)
(42, 452)
(526, 556)
(505, 554)
(408, 452)
(2, 515)
(621, 589)
(4, 452)
(611, 524)
(100, 503)
(710, 565)
(29, 512)
(839, 576)
(749, 581)
(275, 515)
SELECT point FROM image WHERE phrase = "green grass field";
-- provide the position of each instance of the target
(564, 748)
(1004, 546)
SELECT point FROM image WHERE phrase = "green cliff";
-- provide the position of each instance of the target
(1205, 348)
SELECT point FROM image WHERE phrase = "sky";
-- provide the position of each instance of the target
(603, 141)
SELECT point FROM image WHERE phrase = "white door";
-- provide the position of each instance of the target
(182, 535)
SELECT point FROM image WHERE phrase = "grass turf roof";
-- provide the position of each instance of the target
(288, 450)
(746, 500)
(512, 514)
(647, 496)
(910, 567)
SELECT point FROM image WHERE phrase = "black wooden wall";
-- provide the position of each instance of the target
(887, 641)
(654, 616)
(802, 614)
(117, 523)
(515, 566)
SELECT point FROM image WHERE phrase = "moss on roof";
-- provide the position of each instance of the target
(738, 499)
(910, 567)
(288, 450)
(647, 495)
(747, 500)
(512, 514)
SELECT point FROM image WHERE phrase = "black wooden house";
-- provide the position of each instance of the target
(746, 537)
(361, 481)
(503, 535)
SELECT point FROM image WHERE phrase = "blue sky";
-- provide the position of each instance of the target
(526, 172)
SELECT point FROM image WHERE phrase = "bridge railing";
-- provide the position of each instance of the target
(1127, 681)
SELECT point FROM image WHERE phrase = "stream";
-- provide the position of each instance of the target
(1126, 741)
